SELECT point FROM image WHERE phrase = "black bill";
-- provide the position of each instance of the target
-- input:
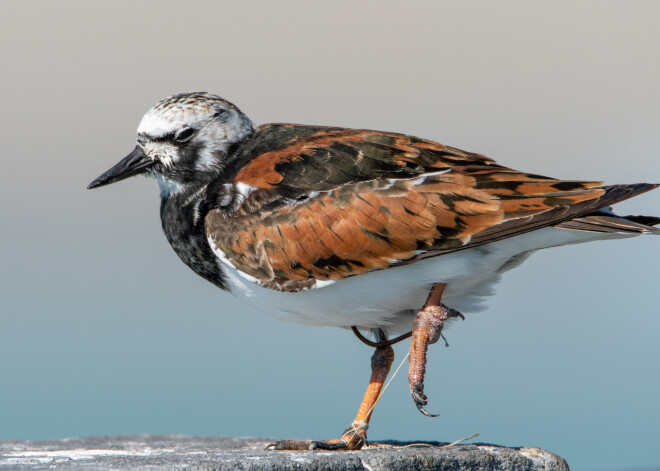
(133, 164)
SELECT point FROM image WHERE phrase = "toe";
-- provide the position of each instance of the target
(327, 445)
(289, 445)
(418, 395)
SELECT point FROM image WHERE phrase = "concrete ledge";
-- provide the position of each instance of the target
(156, 452)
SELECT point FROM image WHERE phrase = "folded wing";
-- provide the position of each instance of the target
(329, 203)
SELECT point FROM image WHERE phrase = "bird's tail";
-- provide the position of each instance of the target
(613, 223)
(604, 220)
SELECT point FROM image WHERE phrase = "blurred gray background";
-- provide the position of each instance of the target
(104, 331)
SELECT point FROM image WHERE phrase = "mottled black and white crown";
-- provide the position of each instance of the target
(193, 110)
(183, 139)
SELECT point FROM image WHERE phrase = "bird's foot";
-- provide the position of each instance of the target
(427, 330)
(354, 438)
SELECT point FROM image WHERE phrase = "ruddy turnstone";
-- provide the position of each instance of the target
(370, 230)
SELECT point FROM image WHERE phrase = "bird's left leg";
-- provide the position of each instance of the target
(427, 330)
(355, 436)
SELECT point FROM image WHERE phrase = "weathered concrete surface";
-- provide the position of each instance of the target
(154, 452)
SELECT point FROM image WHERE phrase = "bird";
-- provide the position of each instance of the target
(378, 232)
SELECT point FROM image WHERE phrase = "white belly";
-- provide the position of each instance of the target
(388, 298)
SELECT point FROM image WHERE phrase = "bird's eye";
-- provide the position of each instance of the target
(184, 134)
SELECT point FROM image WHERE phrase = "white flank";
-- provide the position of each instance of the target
(231, 272)
(323, 283)
(388, 298)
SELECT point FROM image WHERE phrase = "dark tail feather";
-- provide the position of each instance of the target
(645, 220)
(616, 193)
(606, 221)
(599, 222)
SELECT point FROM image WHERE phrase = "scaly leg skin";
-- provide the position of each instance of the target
(427, 330)
(354, 437)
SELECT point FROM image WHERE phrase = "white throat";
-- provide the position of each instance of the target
(168, 187)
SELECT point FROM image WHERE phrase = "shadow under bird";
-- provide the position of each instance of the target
(367, 230)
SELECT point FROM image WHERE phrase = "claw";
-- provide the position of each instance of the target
(425, 412)
(453, 313)
(421, 400)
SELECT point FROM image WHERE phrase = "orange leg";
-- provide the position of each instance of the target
(427, 330)
(354, 437)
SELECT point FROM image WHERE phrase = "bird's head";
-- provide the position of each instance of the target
(183, 139)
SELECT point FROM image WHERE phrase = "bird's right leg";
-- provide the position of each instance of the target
(427, 330)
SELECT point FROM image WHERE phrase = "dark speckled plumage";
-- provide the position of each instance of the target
(186, 234)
